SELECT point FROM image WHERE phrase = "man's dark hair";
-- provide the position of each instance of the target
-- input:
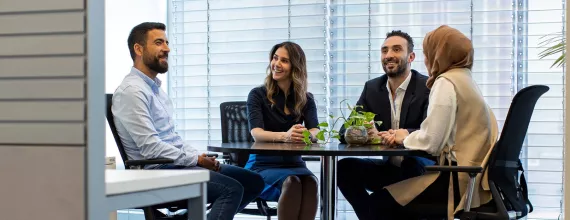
(404, 35)
(139, 33)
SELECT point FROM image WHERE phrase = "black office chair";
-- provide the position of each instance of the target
(235, 128)
(509, 190)
(150, 212)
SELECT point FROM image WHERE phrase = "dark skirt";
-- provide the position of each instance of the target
(275, 174)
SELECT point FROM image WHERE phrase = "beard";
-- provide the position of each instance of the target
(399, 70)
(154, 64)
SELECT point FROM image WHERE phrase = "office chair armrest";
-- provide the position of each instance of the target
(157, 161)
(129, 163)
(471, 170)
(213, 155)
(463, 169)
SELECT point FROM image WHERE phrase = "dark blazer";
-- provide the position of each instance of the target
(374, 98)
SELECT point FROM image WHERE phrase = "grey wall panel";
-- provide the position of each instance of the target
(37, 45)
(42, 23)
(42, 67)
(72, 134)
(11, 6)
(42, 183)
(45, 111)
(42, 89)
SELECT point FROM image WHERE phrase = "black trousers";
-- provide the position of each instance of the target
(357, 177)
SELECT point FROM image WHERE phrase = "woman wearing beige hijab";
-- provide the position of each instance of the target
(459, 128)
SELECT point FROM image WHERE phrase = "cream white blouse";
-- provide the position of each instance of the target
(439, 128)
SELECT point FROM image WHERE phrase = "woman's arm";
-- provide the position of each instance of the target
(294, 134)
(436, 128)
(261, 135)
(311, 117)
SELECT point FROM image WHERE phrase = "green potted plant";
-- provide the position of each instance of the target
(356, 126)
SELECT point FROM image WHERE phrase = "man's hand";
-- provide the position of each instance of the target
(295, 134)
(393, 137)
(209, 163)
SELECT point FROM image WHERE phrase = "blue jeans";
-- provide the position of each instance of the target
(229, 190)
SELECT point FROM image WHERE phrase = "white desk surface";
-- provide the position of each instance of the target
(128, 181)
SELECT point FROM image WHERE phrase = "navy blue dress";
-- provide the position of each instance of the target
(275, 169)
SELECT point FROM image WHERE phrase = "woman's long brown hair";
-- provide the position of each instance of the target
(298, 76)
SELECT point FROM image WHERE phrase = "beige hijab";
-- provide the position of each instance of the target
(446, 48)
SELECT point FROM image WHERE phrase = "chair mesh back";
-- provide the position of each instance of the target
(111, 122)
(514, 131)
(503, 166)
(235, 128)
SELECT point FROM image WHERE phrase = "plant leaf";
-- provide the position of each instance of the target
(369, 116)
(347, 124)
(560, 61)
(331, 116)
(324, 124)
(306, 138)
(367, 126)
(336, 136)
(375, 141)
(379, 123)
(321, 135)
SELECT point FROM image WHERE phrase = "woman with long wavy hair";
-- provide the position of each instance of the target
(279, 111)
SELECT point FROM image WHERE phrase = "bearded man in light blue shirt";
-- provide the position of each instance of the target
(143, 117)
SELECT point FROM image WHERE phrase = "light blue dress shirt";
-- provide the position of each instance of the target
(143, 117)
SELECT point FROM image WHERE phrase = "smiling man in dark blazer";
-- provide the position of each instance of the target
(399, 99)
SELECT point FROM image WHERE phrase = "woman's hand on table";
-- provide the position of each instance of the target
(295, 134)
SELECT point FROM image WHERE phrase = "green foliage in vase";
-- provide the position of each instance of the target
(357, 117)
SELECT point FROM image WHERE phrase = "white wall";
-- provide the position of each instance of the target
(120, 17)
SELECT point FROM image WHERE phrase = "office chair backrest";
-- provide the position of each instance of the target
(504, 163)
(111, 122)
(235, 128)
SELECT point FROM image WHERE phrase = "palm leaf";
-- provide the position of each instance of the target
(559, 47)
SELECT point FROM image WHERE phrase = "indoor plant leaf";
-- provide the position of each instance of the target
(323, 124)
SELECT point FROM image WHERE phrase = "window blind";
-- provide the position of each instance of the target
(220, 52)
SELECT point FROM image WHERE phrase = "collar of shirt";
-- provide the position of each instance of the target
(154, 84)
(404, 84)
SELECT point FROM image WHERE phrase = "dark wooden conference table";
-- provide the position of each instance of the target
(327, 152)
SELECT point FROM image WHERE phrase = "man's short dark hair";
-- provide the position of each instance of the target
(139, 33)
(404, 35)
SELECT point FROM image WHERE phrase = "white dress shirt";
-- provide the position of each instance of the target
(143, 116)
(396, 109)
(439, 128)
(396, 101)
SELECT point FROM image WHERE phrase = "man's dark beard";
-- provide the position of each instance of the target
(402, 64)
(153, 63)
